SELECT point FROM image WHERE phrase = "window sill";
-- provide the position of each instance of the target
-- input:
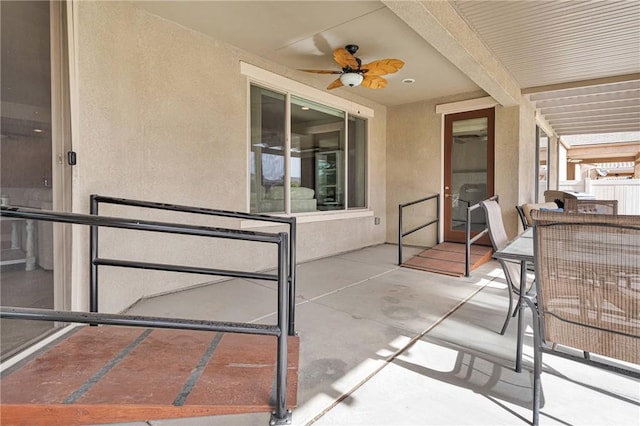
(309, 218)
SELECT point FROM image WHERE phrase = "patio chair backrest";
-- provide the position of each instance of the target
(572, 205)
(525, 211)
(495, 225)
(522, 217)
(588, 278)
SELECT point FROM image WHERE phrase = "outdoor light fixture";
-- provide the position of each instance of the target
(351, 79)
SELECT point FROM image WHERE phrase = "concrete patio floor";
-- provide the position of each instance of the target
(383, 345)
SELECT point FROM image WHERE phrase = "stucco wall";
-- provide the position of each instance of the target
(527, 151)
(414, 166)
(507, 165)
(162, 115)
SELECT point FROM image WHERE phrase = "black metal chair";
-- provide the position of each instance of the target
(522, 217)
(524, 211)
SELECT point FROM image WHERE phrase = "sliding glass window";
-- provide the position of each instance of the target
(268, 112)
(322, 168)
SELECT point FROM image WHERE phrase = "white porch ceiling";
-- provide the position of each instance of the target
(578, 61)
(303, 35)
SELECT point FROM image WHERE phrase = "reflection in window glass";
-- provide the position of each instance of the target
(324, 166)
(469, 171)
(317, 145)
(26, 169)
(357, 169)
(267, 150)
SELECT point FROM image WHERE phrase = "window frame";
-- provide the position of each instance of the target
(267, 80)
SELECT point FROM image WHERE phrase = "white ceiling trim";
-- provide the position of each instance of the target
(558, 41)
(597, 108)
(464, 106)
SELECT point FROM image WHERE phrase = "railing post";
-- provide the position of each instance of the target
(281, 416)
(438, 219)
(224, 213)
(400, 224)
(400, 234)
(93, 242)
(292, 276)
(467, 242)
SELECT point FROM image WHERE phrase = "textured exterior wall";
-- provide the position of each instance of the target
(162, 116)
(414, 165)
(414, 168)
(508, 166)
(527, 154)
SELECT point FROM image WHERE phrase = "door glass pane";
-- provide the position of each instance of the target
(26, 167)
(267, 150)
(469, 172)
(317, 153)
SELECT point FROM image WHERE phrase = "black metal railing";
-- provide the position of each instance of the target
(404, 234)
(281, 415)
(468, 240)
(290, 221)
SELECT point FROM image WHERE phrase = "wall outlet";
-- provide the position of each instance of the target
(376, 221)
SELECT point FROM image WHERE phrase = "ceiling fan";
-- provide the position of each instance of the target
(353, 73)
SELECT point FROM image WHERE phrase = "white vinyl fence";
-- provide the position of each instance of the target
(626, 191)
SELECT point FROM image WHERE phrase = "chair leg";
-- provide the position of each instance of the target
(537, 362)
(508, 319)
(523, 300)
(520, 337)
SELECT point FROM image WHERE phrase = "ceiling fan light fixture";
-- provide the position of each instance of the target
(351, 79)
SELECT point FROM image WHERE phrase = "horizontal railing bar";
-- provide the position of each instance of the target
(478, 236)
(410, 203)
(473, 207)
(290, 221)
(419, 227)
(436, 221)
(186, 269)
(190, 209)
(141, 225)
(136, 321)
(606, 366)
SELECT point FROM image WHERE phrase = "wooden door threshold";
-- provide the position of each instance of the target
(449, 259)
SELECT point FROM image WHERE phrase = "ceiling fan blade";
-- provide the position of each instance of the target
(336, 83)
(345, 59)
(374, 82)
(322, 71)
(383, 66)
